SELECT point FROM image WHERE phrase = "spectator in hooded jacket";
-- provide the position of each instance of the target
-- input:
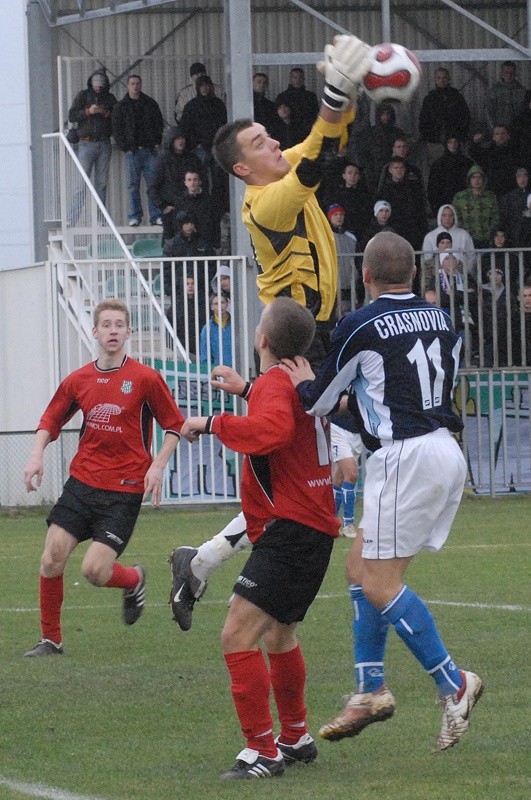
(383, 134)
(462, 244)
(444, 110)
(447, 174)
(195, 200)
(187, 243)
(477, 208)
(91, 111)
(167, 186)
(137, 126)
(303, 102)
(202, 117)
(188, 92)
(217, 334)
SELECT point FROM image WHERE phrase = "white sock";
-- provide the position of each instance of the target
(210, 555)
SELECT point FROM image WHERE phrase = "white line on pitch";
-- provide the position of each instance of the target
(38, 790)
(486, 606)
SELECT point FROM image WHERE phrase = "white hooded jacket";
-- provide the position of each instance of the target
(462, 244)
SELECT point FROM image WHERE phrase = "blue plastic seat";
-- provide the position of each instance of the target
(147, 248)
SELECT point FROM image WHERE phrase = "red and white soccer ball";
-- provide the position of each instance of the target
(394, 76)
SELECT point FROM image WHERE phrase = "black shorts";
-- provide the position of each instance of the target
(88, 513)
(285, 570)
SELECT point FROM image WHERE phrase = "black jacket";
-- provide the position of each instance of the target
(444, 112)
(448, 175)
(202, 117)
(94, 127)
(167, 186)
(137, 123)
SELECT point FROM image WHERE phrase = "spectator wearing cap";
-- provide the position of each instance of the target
(189, 244)
(168, 186)
(189, 91)
(379, 222)
(447, 174)
(91, 111)
(221, 282)
(463, 244)
(348, 281)
(514, 203)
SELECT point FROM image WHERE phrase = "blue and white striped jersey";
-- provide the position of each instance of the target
(399, 355)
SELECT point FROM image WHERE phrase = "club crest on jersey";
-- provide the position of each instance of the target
(127, 387)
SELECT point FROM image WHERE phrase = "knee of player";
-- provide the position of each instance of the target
(375, 593)
(53, 563)
(94, 575)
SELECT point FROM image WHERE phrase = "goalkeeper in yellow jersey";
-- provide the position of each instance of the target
(292, 240)
(295, 251)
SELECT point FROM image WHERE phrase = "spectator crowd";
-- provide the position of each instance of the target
(458, 189)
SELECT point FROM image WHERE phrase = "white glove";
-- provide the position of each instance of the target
(345, 65)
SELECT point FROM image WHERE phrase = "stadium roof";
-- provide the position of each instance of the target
(65, 12)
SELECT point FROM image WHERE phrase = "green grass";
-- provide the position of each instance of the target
(145, 713)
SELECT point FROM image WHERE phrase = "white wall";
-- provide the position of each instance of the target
(16, 211)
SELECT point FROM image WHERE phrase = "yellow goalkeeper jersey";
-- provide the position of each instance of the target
(292, 240)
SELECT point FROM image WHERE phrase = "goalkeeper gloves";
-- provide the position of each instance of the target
(346, 63)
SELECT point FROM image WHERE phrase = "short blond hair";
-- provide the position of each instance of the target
(111, 304)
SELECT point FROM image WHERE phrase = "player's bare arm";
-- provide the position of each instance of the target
(154, 475)
(35, 467)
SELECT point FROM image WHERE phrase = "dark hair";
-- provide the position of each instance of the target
(260, 75)
(226, 149)
(134, 76)
(288, 326)
(511, 64)
(204, 80)
(197, 68)
(390, 259)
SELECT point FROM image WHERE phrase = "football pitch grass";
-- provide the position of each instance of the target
(145, 712)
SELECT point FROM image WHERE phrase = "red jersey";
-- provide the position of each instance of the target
(118, 407)
(286, 472)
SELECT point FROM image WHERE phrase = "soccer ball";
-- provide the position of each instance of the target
(394, 75)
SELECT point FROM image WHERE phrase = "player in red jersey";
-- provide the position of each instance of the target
(289, 508)
(111, 473)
